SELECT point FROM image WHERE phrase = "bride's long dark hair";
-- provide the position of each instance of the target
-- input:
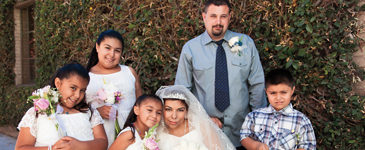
(132, 117)
(93, 59)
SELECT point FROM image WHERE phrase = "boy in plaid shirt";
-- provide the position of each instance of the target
(278, 126)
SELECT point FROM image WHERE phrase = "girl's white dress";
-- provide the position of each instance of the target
(138, 144)
(124, 80)
(192, 140)
(77, 125)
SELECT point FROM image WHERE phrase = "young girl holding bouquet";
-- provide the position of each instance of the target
(71, 124)
(104, 68)
(146, 114)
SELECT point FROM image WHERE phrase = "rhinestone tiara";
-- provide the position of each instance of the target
(175, 96)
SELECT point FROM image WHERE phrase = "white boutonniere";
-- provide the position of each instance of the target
(236, 45)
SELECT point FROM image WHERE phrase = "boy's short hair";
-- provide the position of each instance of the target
(217, 3)
(278, 76)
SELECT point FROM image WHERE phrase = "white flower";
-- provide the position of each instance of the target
(236, 49)
(110, 89)
(233, 41)
(236, 45)
(55, 96)
(110, 98)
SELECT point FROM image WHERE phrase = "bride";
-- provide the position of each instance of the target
(186, 125)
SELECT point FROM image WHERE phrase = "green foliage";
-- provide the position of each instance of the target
(7, 44)
(16, 105)
(311, 38)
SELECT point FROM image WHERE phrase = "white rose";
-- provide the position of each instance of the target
(110, 98)
(233, 40)
(55, 96)
(235, 49)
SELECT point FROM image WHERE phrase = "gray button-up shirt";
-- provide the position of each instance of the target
(196, 71)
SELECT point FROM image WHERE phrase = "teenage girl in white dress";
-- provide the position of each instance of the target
(104, 67)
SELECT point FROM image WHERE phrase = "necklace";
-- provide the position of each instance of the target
(138, 131)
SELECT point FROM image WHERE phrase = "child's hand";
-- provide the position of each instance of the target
(59, 144)
(104, 111)
(217, 122)
(262, 146)
(66, 143)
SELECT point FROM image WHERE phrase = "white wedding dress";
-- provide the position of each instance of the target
(138, 144)
(190, 141)
(124, 80)
(77, 125)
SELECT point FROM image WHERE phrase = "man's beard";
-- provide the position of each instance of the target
(219, 32)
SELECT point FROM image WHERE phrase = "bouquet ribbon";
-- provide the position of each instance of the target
(61, 126)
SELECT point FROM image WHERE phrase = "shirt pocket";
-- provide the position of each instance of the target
(201, 69)
(288, 139)
(239, 61)
(259, 132)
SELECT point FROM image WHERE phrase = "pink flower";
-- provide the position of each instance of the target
(41, 104)
(101, 95)
(151, 144)
(118, 96)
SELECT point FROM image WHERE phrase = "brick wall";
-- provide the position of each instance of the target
(359, 56)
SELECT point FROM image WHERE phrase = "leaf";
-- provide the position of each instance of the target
(131, 26)
(301, 52)
(309, 28)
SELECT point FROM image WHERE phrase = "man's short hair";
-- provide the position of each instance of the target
(217, 3)
(278, 76)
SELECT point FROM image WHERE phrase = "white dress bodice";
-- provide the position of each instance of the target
(77, 125)
(124, 80)
(191, 140)
(138, 144)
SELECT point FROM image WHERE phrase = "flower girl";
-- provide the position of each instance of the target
(69, 125)
(105, 71)
(146, 114)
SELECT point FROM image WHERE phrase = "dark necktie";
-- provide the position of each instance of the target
(221, 79)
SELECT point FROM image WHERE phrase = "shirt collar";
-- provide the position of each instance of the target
(206, 39)
(285, 111)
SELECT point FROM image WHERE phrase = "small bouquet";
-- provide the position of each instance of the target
(45, 101)
(110, 96)
(236, 45)
(150, 141)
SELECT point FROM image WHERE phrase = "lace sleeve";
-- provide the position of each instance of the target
(29, 120)
(96, 118)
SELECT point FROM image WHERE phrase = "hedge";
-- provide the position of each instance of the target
(313, 39)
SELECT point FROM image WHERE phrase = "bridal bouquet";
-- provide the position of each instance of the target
(45, 101)
(150, 141)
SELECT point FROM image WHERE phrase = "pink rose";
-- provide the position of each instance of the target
(101, 95)
(41, 104)
(151, 144)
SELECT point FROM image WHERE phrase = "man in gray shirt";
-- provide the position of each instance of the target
(223, 70)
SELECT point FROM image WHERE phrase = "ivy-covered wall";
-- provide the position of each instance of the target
(311, 38)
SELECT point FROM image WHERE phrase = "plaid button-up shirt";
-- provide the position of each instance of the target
(284, 129)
